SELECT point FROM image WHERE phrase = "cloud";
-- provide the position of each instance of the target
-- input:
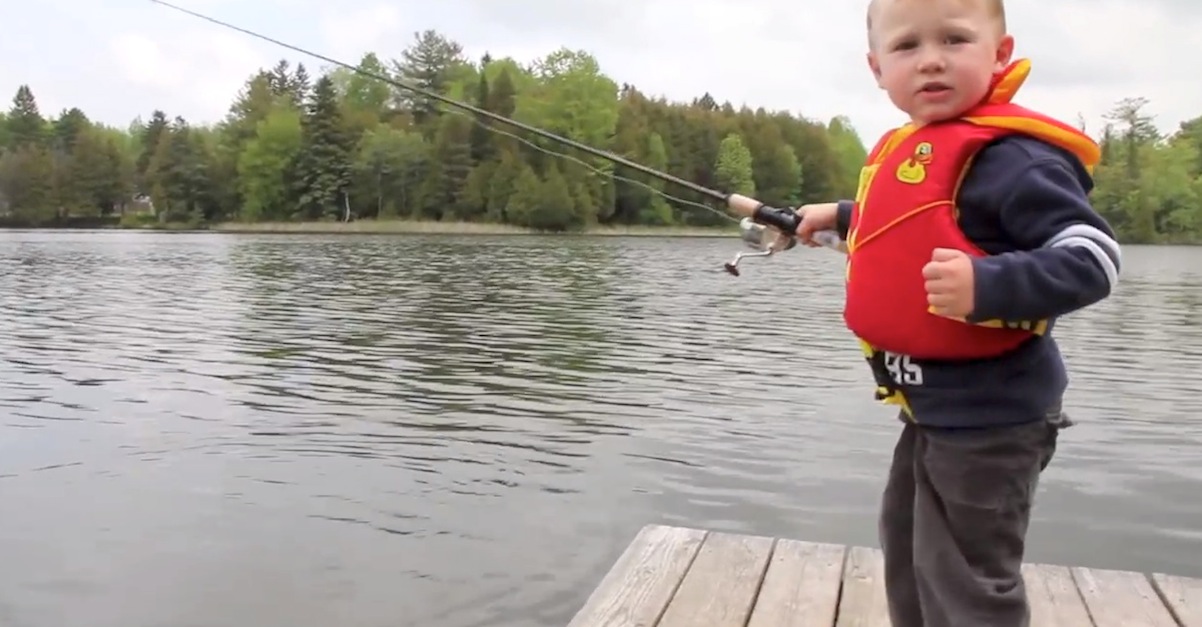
(345, 31)
(1127, 50)
(151, 73)
(124, 58)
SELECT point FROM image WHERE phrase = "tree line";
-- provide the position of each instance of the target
(342, 145)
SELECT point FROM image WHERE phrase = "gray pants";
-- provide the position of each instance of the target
(953, 524)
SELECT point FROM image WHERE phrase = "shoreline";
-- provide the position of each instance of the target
(372, 227)
(431, 227)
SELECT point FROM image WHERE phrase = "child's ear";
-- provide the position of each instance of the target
(875, 66)
(1005, 50)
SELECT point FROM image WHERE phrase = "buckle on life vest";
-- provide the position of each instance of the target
(886, 388)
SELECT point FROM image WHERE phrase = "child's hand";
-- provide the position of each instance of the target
(949, 283)
(819, 217)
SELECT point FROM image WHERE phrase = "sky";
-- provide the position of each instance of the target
(121, 59)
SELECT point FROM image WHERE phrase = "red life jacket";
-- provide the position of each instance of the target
(906, 207)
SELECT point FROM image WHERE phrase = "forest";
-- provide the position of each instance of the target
(297, 146)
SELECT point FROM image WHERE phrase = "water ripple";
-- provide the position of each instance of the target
(460, 431)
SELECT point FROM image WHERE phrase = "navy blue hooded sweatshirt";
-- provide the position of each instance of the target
(1025, 202)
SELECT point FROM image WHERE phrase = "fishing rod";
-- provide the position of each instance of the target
(765, 229)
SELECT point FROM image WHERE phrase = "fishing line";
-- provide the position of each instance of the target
(597, 170)
(609, 156)
(766, 229)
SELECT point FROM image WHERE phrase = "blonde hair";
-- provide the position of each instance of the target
(996, 9)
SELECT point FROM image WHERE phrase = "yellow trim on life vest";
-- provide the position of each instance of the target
(897, 136)
(1034, 327)
(902, 218)
(1077, 143)
(1005, 88)
(1009, 81)
(968, 163)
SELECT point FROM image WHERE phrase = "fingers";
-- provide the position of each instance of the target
(937, 298)
(811, 218)
(802, 225)
(939, 285)
(935, 270)
(805, 231)
(946, 254)
(807, 236)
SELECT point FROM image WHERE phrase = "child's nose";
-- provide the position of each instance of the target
(931, 60)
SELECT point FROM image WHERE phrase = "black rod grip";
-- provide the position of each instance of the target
(784, 220)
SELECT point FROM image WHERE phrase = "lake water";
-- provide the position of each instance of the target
(303, 431)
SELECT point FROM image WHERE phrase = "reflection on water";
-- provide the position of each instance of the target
(462, 431)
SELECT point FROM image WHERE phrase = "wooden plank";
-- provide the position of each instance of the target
(801, 587)
(720, 588)
(1118, 598)
(641, 583)
(1055, 601)
(1183, 597)
(674, 577)
(863, 602)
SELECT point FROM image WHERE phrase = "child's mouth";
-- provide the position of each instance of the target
(935, 92)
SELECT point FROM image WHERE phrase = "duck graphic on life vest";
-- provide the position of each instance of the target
(913, 170)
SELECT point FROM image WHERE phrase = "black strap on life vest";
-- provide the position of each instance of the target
(885, 385)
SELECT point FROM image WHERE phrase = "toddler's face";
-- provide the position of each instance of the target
(936, 58)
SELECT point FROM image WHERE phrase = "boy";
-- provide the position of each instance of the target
(970, 233)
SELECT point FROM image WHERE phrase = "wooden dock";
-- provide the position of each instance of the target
(681, 577)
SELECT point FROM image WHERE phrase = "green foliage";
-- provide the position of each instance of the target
(323, 165)
(340, 145)
(1148, 186)
(265, 165)
(733, 168)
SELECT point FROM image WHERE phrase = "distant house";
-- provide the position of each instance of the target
(141, 204)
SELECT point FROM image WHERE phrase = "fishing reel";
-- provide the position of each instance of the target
(766, 241)
(769, 230)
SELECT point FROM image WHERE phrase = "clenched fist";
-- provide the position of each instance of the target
(949, 283)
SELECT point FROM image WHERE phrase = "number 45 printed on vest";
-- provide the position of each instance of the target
(902, 369)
